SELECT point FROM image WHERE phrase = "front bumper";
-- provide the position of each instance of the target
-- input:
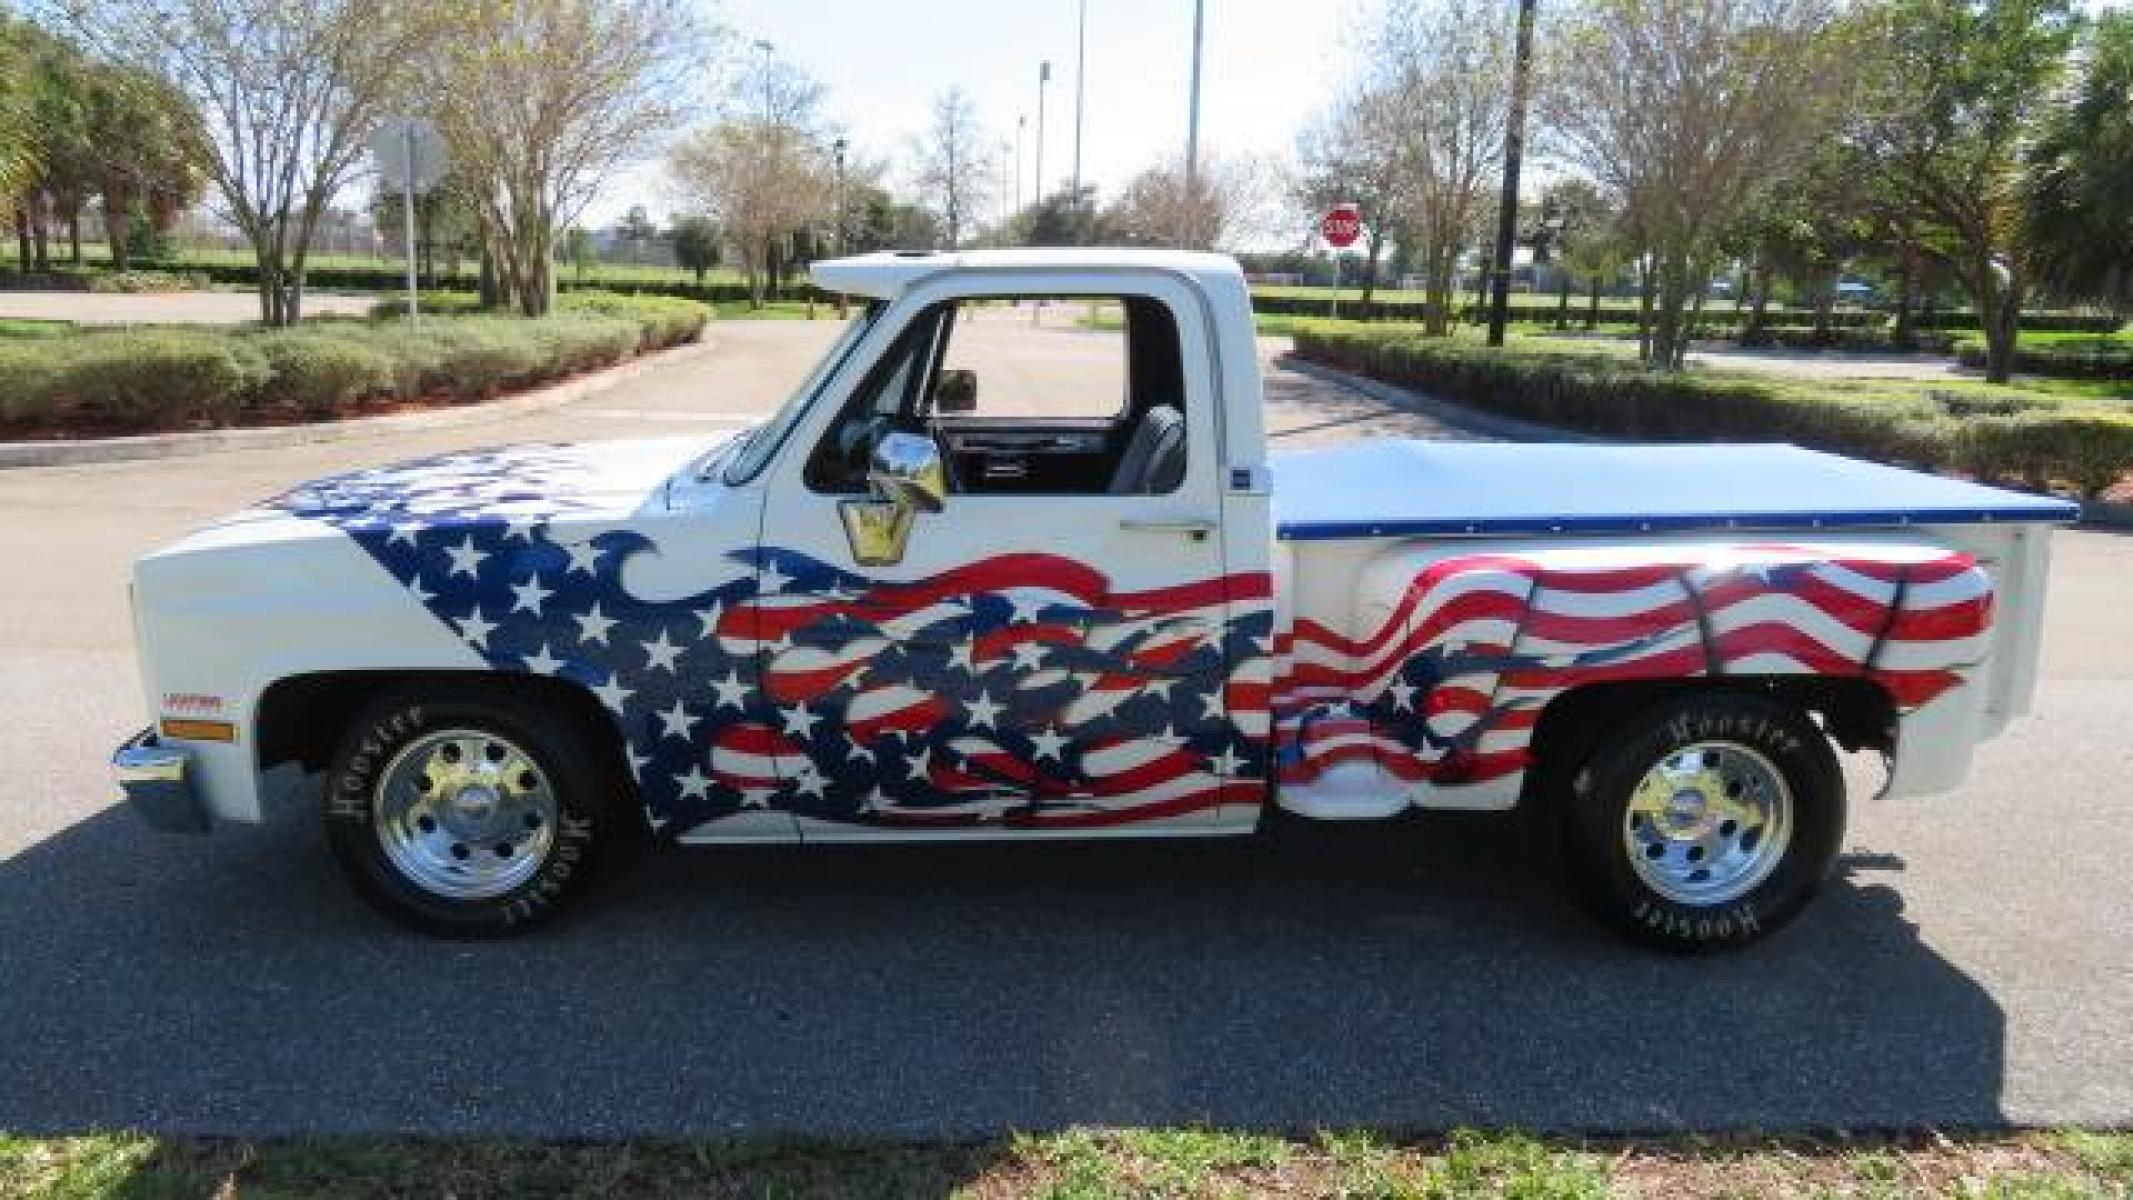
(157, 780)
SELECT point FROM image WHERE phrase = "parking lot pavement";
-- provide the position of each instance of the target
(1971, 965)
(163, 308)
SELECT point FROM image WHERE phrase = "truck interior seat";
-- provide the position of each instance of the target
(1154, 460)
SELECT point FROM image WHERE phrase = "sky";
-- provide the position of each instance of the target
(1268, 66)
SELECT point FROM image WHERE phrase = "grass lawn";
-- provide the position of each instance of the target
(16, 327)
(1080, 1165)
(779, 310)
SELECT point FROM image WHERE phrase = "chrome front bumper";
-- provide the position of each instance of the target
(157, 781)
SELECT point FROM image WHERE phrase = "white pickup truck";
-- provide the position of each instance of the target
(889, 614)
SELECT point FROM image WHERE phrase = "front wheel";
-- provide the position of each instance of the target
(465, 811)
(1705, 822)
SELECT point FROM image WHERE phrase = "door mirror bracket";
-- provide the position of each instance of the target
(907, 477)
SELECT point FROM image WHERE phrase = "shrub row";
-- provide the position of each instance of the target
(662, 320)
(394, 279)
(165, 377)
(2083, 358)
(1725, 318)
(2035, 438)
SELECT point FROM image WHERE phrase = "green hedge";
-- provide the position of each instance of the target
(664, 320)
(162, 377)
(1724, 318)
(2029, 437)
(394, 279)
(2085, 358)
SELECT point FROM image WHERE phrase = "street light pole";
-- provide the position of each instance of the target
(1514, 145)
(1192, 128)
(1081, 75)
(1021, 123)
(1044, 76)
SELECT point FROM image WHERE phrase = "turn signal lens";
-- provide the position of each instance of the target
(199, 731)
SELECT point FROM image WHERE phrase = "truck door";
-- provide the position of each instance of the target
(993, 590)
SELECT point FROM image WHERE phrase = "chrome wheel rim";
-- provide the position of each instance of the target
(465, 814)
(1708, 823)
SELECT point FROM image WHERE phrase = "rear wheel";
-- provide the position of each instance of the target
(465, 811)
(1706, 821)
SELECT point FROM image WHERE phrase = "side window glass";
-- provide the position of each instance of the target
(883, 401)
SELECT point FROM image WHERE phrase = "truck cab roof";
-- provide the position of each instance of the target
(887, 275)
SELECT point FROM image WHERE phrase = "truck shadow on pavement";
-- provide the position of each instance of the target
(1412, 978)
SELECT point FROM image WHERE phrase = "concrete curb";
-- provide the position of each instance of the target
(1508, 429)
(2095, 514)
(214, 441)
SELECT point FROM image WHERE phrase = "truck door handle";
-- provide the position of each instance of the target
(1196, 529)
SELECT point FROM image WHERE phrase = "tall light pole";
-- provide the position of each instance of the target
(1044, 76)
(1021, 123)
(1192, 128)
(838, 148)
(1006, 214)
(1081, 76)
(1514, 146)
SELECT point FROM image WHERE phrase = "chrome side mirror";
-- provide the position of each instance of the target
(956, 391)
(908, 478)
(907, 467)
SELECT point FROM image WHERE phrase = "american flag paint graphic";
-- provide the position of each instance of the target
(1021, 689)
(1448, 688)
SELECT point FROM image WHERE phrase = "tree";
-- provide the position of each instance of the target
(1807, 231)
(763, 170)
(696, 245)
(1353, 154)
(1953, 91)
(1574, 236)
(1231, 200)
(1686, 112)
(637, 229)
(2078, 201)
(1446, 62)
(1064, 218)
(954, 170)
(541, 100)
(286, 94)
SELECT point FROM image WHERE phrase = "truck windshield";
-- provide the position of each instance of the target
(756, 452)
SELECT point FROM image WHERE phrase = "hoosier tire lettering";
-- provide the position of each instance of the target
(1593, 816)
(568, 757)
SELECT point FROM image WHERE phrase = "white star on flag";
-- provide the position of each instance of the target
(918, 764)
(809, 781)
(1029, 605)
(612, 693)
(584, 556)
(799, 722)
(521, 527)
(1403, 695)
(1029, 656)
(710, 617)
(476, 628)
(773, 580)
(1226, 763)
(530, 594)
(1212, 705)
(405, 531)
(592, 626)
(983, 710)
(1048, 743)
(694, 785)
(676, 721)
(543, 663)
(466, 560)
(660, 654)
(960, 655)
(731, 691)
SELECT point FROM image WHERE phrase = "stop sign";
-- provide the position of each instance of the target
(1341, 225)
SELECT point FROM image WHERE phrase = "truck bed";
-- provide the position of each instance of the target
(1410, 488)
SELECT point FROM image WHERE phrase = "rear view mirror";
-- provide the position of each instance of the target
(956, 391)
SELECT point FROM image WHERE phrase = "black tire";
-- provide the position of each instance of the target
(574, 767)
(1595, 820)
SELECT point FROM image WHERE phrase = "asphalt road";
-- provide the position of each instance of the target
(1973, 965)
